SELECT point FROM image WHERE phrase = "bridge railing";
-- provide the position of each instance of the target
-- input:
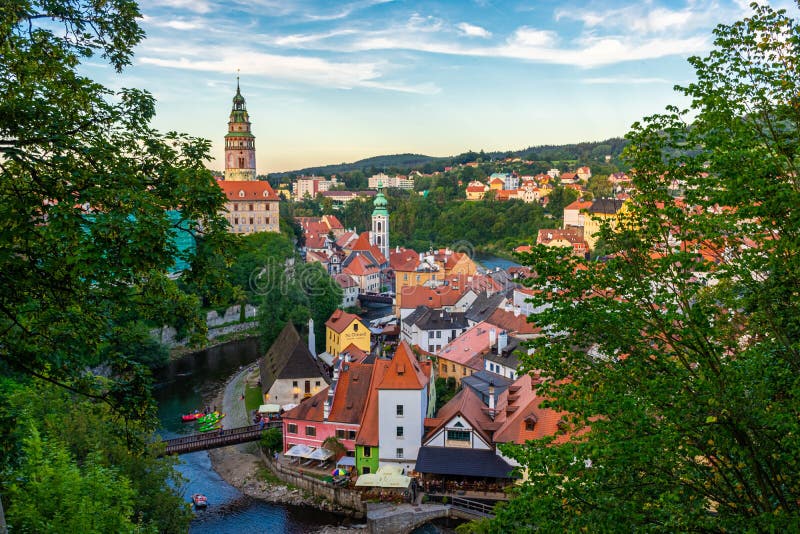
(473, 506)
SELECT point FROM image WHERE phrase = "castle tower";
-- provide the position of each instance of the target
(240, 144)
(380, 223)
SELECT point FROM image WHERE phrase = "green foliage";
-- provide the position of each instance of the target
(68, 464)
(446, 388)
(295, 292)
(54, 494)
(85, 234)
(689, 394)
(333, 444)
(272, 440)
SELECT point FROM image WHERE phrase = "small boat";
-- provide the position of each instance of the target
(199, 500)
(191, 416)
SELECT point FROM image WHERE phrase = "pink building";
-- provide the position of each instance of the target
(335, 411)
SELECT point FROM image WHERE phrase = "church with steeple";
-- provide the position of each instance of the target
(252, 205)
(380, 223)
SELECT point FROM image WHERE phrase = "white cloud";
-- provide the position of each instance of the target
(532, 37)
(175, 23)
(470, 30)
(196, 6)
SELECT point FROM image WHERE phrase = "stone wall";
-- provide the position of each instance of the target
(346, 498)
(230, 318)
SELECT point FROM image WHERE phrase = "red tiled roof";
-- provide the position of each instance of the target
(404, 371)
(310, 409)
(361, 266)
(475, 189)
(467, 404)
(253, 190)
(368, 433)
(339, 320)
(579, 205)
(344, 280)
(467, 348)
(548, 235)
(403, 260)
(351, 393)
(362, 243)
(415, 296)
(507, 320)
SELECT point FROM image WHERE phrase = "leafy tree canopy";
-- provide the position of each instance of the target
(85, 238)
(676, 361)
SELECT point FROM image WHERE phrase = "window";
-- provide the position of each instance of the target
(438, 334)
(399, 410)
(453, 334)
(251, 220)
(444, 368)
(430, 334)
(235, 206)
(355, 327)
(367, 451)
(365, 470)
(316, 383)
(351, 434)
(458, 435)
(236, 220)
(453, 368)
(529, 424)
(339, 433)
(311, 431)
(249, 207)
(291, 428)
(399, 431)
(294, 383)
(399, 453)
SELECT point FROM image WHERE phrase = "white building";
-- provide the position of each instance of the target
(402, 408)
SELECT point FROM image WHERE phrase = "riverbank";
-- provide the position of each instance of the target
(241, 466)
(178, 352)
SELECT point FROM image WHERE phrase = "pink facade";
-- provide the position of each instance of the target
(322, 431)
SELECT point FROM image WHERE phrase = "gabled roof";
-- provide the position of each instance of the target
(434, 298)
(479, 382)
(404, 371)
(360, 265)
(520, 403)
(340, 320)
(287, 358)
(344, 280)
(247, 190)
(425, 318)
(456, 461)
(571, 235)
(403, 259)
(362, 243)
(484, 306)
(579, 205)
(467, 404)
(346, 239)
(467, 348)
(352, 390)
(608, 206)
(368, 433)
(310, 409)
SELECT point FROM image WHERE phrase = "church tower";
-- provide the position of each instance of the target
(240, 144)
(380, 223)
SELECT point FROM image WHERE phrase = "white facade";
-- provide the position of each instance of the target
(527, 308)
(500, 369)
(453, 434)
(400, 447)
(398, 182)
(428, 340)
(573, 217)
(380, 233)
(349, 296)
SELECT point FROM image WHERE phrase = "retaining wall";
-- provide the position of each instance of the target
(346, 498)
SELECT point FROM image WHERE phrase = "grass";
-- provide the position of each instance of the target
(252, 398)
(268, 476)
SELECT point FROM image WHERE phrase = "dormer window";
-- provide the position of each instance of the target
(241, 194)
(530, 423)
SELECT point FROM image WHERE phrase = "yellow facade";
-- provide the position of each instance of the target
(464, 265)
(593, 222)
(447, 369)
(406, 279)
(356, 333)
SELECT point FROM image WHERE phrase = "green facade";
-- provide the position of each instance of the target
(363, 461)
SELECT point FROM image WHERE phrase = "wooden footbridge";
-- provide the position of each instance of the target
(216, 438)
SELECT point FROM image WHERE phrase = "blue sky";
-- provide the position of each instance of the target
(329, 82)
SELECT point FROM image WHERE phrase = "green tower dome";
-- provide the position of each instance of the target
(380, 203)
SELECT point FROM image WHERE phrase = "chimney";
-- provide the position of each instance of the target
(502, 341)
(491, 400)
(516, 311)
(312, 342)
(492, 338)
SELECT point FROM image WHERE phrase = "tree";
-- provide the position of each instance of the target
(272, 440)
(676, 361)
(86, 191)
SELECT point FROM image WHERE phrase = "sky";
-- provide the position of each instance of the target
(330, 82)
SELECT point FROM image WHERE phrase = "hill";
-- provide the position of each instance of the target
(584, 152)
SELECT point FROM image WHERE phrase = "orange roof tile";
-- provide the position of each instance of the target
(351, 393)
(403, 259)
(339, 320)
(311, 409)
(361, 266)
(404, 371)
(471, 407)
(514, 324)
(368, 433)
(250, 190)
(415, 296)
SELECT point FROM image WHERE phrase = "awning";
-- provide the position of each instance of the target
(299, 451)
(320, 454)
(346, 460)
(385, 477)
(269, 408)
(462, 462)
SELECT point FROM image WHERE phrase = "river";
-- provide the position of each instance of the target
(183, 386)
